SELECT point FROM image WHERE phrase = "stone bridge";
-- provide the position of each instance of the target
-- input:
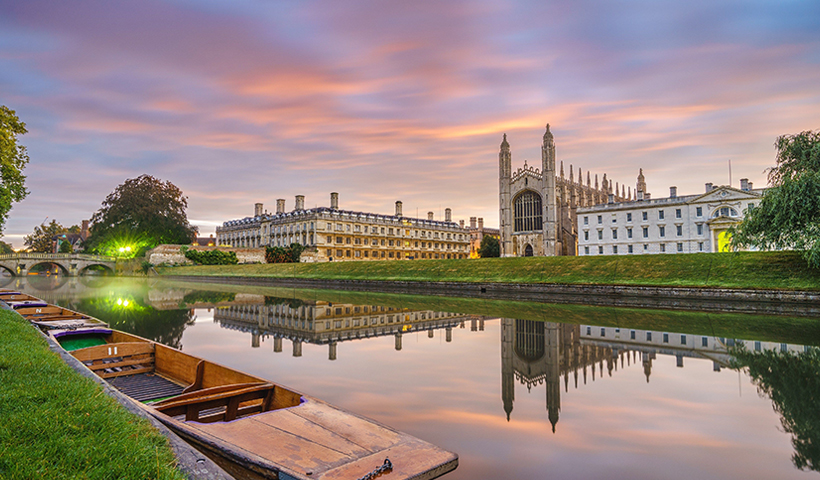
(71, 264)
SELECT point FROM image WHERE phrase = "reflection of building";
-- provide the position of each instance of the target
(347, 235)
(536, 353)
(326, 323)
(685, 224)
(537, 208)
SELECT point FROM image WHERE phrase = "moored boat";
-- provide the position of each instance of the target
(263, 427)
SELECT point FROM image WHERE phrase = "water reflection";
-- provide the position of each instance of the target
(626, 393)
(328, 323)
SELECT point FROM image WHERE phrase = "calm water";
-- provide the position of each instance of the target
(517, 390)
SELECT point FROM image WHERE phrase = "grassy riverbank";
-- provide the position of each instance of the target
(57, 424)
(758, 270)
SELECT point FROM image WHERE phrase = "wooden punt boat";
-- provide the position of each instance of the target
(248, 421)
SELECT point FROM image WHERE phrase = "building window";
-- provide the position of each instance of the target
(600, 234)
(662, 231)
(679, 230)
(700, 229)
(663, 248)
(586, 220)
(614, 233)
(629, 248)
(614, 218)
(665, 338)
(632, 334)
(645, 247)
(614, 249)
(644, 216)
(645, 232)
(629, 217)
(600, 250)
(677, 213)
(700, 246)
(527, 215)
(699, 211)
(648, 336)
(586, 235)
(586, 250)
(600, 219)
(680, 247)
(725, 212)
(628, 233)
(660, 214)
(683, 339)
(704, 341)
(589, 330)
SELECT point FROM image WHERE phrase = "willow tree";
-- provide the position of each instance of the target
(788, 217)
(141, 213)
(13, 159)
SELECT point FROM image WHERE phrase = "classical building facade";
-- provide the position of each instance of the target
(537, 208)
(332, 234)
(676, 224)
(477, 233)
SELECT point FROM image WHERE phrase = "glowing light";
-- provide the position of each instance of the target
(119, 301)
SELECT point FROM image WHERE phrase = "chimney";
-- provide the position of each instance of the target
(610, 198)
(744, 184)
(751, 186)
(472, 222)
(257, 209)
(334, 201)
(448, 215)
(460, 224)
(481, 224)
(708, 187)
(84, 231)
(280, 205)
(398, 208)
(673, 192)
(647, 196)
(429, 215)
(300, 202)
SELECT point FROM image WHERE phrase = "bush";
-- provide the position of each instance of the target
(210, 257)
(289, 254)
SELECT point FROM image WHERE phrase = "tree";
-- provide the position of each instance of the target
(13, 159)
(5, 248)
(42, 238)
(489, 247)
(788, 216)
(141, 213)
(792, 382)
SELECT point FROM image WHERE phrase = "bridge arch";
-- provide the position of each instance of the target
(84, 270)
(70, 264)
(62, 269)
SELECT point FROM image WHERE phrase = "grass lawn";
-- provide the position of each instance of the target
(56, 424)
(757, 270)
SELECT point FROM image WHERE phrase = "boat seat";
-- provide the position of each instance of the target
(118, 359)
(220, 403)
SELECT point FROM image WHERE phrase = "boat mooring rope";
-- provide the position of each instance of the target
(386, 467)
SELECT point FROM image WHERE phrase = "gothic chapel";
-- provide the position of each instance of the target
(537, 208)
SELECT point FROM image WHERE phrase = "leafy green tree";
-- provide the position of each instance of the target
(143, 212)
(792, 381)
(489, 247)
(65, 247)
(43, 236)
(13, 159)
(788, 216)
(5, 248)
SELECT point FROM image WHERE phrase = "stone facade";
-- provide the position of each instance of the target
(172, 254)
(676, 224)
(537, 208)
(477, 233)
(332, 234)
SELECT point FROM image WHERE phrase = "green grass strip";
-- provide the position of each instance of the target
(56, 424)
(754, 270)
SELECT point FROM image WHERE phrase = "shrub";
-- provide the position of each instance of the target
(210, 257)
(289, 254)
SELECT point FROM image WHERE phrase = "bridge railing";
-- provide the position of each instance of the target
(58, 256)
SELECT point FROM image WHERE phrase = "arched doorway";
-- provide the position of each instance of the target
(528, 250)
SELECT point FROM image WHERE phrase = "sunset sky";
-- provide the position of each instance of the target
(248, 101)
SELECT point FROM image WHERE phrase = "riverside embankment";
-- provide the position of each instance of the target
(754, 282)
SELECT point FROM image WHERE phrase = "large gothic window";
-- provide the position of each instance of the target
(527, 212)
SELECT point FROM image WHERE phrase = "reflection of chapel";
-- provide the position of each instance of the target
(535, 352)
(537, 207)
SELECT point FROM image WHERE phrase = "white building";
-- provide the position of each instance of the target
(685, 224)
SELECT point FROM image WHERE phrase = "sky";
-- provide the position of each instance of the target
(238, 102)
